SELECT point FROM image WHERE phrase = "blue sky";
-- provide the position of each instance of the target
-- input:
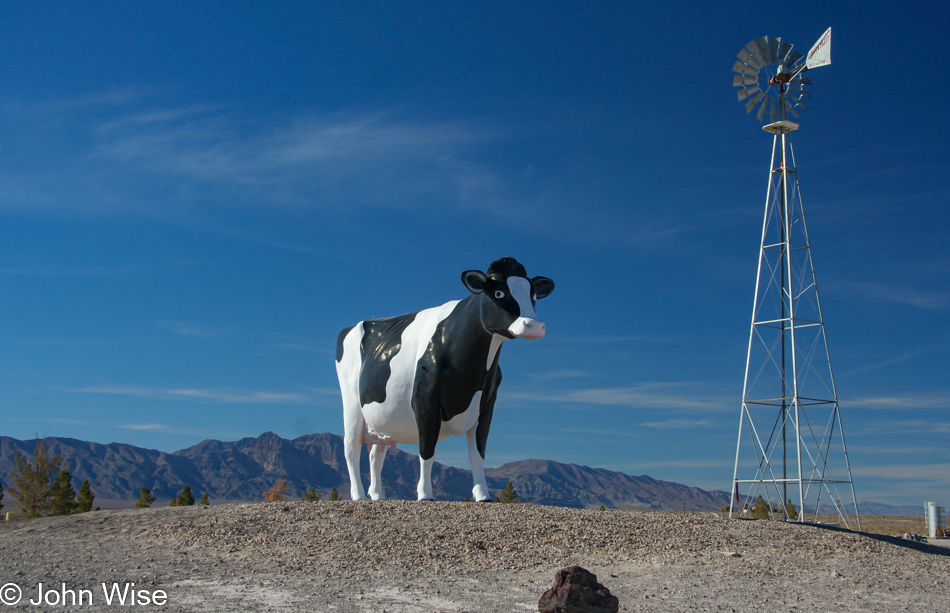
(195, 198)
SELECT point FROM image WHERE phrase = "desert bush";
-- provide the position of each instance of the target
(278, 492)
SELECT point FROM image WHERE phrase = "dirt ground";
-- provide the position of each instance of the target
(406, 557)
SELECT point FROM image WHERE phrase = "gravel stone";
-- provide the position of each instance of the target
(405, 556)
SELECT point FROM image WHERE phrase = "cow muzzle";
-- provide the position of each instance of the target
(525, 327)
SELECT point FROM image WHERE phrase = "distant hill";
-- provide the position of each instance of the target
(245, 469)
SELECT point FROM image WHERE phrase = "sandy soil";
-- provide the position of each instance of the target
(401, 557)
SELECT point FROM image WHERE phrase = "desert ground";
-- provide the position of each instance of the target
(404, 556)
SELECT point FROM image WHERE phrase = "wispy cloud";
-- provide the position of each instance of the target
(146, 427)
(302, 347)
(64, 271)
(215, 395)
(928, 401)
(936, 473)
(683, 396)
(129, 153)
(926, 299)
(682, 424)
(191, 329)
(562, 374)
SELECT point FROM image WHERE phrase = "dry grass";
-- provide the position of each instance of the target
(893, 525)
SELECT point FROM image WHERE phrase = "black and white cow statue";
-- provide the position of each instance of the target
(425, 376)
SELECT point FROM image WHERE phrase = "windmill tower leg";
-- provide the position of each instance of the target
(791, 441)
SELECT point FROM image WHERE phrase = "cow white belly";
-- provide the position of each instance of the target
(393, 419)
(462, 423)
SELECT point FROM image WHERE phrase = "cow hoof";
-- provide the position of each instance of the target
(485, 500)
(427, 500)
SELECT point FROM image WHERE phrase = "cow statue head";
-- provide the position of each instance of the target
(508, 298)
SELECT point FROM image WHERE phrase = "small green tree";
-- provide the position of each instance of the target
(184, 499)
(145, 498)
(85, 497)
(32, 486)
(1, 496)
(205, 500)
(790, 510)
(334, 495)
(761, 509)
(508, 495)
(311, 495)
(63, 501)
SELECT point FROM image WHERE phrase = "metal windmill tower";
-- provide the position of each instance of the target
(791, 445)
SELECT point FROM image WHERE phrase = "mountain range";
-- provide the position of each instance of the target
(243, 470)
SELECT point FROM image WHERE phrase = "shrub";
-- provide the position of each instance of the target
(277, 493)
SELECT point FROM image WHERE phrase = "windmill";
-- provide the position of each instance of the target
(791, 447)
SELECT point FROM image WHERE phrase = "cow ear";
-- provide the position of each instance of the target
(542, 287)
(475, 281)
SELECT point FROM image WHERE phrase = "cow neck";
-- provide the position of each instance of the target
(470, 325)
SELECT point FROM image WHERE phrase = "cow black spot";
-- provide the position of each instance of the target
(382, 340)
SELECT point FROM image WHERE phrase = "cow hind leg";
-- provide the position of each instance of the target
(352, 447)
(377, 455)
(480, 491)
(348, 372)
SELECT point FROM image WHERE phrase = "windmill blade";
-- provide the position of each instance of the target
(802, 104)
(752, 102)
(802, 81)
(798, 90)
(746, 57)
(761, 114)
(774, 44)
(791, 109)
(749, 91)
(773, 109)
(794, 58)
(763, 45)
(740, 81)
(753, 49)
(783, 51)
(744, 70)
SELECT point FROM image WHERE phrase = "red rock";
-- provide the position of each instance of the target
(576, 590)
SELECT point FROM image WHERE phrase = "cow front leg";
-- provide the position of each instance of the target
(428, 438)
(480, 491)
(424, 489)
(377, 455)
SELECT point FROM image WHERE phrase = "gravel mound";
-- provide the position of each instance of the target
(402, 556)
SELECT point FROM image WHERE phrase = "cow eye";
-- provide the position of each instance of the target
(499, 294)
